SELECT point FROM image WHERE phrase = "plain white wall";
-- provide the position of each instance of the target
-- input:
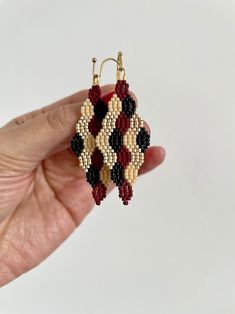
(171, 251)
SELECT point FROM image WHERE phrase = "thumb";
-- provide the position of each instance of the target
(41, 136)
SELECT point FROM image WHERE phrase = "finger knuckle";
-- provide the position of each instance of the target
(59, 117)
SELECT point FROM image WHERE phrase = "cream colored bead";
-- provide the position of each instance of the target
(137, 159)
(136, 122)
(108, 124)
(105, 175)
(115, 104)
(85, 160)
(129, 140)
(131, 173)
(87, 110)
(89, 143)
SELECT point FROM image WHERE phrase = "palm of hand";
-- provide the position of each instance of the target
(53, 200)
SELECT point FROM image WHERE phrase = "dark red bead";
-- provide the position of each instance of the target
(122, 123)
(107, 97)
(94, 126)
(125, 192)
(99, 192)
(124, 156)
(121, 89)
(97, 159)
(94, 94)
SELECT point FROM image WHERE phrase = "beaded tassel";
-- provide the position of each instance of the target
(110, 141)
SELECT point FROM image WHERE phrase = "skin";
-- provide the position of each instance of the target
(44, 195)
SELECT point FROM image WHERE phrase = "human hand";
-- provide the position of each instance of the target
(44, 195)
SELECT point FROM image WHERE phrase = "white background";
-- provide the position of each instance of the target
(171, 251)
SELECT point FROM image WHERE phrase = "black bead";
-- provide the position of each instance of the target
(143, 139)
(117, 174)
(100, 109)
(116, 140)
(92, 175)
(77, 144)
(128, 106)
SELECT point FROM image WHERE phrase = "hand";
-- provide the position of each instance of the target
(44, 195)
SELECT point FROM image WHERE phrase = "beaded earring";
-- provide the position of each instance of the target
(110, 138)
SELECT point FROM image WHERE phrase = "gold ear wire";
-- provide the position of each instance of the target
(95, 80)
(120, 66)
(120, 69)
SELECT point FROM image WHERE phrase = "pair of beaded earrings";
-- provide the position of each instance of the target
(110, 138)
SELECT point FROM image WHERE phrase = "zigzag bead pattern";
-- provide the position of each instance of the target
(87, 113)
(110, 141)
(108, 125)
(137, 156)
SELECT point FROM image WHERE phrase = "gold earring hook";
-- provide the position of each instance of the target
(120, 66)
(95, 76)
(120, 69)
